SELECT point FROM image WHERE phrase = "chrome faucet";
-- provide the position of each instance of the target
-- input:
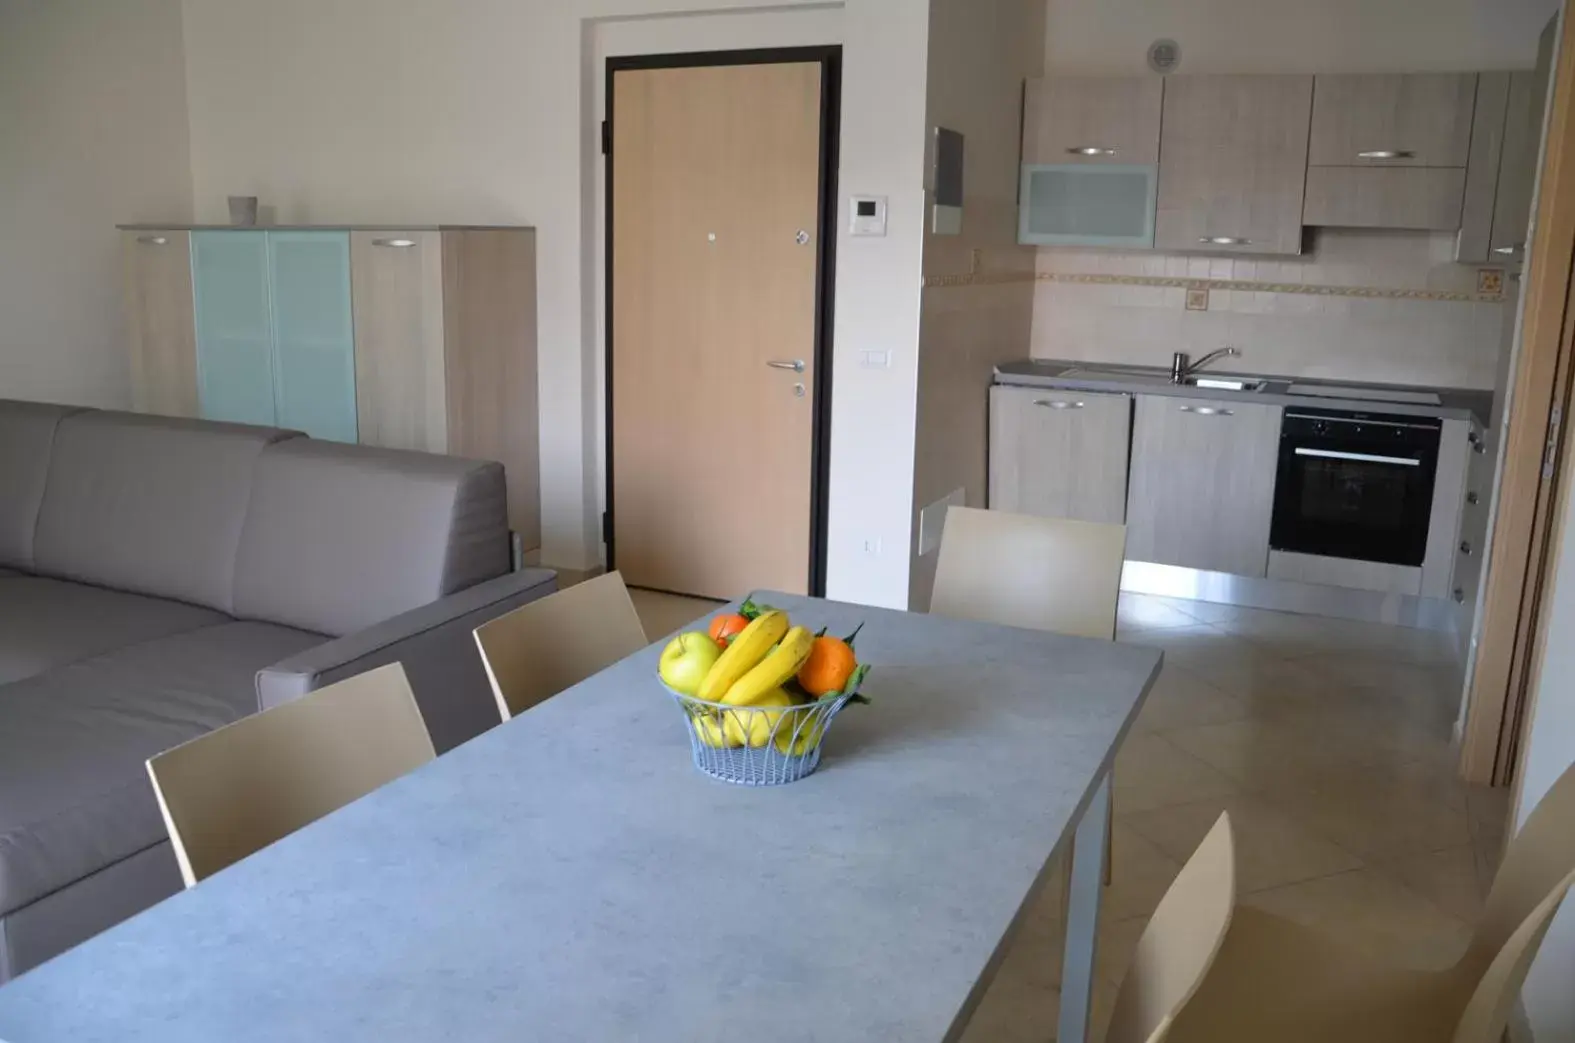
(1181, 368)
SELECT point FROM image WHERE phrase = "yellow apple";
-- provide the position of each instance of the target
(686, 660)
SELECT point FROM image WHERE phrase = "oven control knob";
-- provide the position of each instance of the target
(1473, 499)
(1460, 596)
(1465, 548)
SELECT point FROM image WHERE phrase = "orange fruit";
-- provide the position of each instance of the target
(831, 662)
(726, 627)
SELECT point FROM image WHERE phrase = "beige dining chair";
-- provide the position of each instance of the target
(1020, 570)
(1179, 943)
(1275, 979)
(1037, 573)
(234, 791)
(554, 643)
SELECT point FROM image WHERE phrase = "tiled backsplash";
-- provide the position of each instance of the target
(1379, 306)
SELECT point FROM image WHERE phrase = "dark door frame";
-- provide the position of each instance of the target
(830, 58)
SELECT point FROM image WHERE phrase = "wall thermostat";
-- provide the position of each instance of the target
(867, 215)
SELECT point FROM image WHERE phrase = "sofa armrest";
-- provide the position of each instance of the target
(436, 646)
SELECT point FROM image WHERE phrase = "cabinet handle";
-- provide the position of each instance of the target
(1473, 499)
(1465, 548)
(1091, 150)
(1224, 240)
(153, 240)
(1051, 403)
(1511, 250)
(1206, 411)
(1387, 153)
(1460, 595)
(396, 243)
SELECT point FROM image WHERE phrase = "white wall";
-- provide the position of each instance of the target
(92, 133)
(483, 111)
(1296, 35)
(1550, 749)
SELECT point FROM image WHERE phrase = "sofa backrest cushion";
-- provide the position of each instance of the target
(149, 504)
(27, 437)
(340, 537)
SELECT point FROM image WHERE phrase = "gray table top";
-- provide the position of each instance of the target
(571, 876)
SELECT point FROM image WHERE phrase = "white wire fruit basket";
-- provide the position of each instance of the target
(755, 745)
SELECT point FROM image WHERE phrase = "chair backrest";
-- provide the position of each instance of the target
(1036, 573)
(1541, 855)
(1180, 942)
(239, 789)
(539, 649)
(1487, 1012)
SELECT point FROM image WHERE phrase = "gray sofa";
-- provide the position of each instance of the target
(160, 578)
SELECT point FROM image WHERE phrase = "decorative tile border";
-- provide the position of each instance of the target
(1242, 285)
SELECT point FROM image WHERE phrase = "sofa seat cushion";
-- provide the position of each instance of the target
(74, 790)
(46, 623)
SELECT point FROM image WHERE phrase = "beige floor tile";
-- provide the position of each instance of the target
(661, 614)
(1263, 756)
(1017, 1007)
(1379, 814)
(1181, 699)
(1373, 913)
(1140, 875)
(1272, 849)
(1450, 879)
(1145, 612)
(1151, 773)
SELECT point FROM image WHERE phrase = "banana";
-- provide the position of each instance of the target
(711, 732)
(750, 646)
(772, 671)
(755, 726)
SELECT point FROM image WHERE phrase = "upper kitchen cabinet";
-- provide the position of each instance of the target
(1092, 119)
(1390, 151)
(1090, 155)
(1233, 164)
(1503, 169)
(1419, 120)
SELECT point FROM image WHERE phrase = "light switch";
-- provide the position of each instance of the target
(875, 359)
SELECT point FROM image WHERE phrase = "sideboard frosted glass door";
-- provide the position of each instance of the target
(235, 379)
(314, 338)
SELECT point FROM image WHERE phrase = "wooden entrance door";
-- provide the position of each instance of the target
(715, 203)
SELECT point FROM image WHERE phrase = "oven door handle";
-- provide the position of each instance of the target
(1366, 458)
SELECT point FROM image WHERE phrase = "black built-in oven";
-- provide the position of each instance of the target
(1355, 485)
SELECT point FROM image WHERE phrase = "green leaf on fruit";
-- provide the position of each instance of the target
(855, 679)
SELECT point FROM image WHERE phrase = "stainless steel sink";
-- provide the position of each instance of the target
(1212, 382)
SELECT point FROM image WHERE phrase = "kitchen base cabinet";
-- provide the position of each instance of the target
(1059, 454)
(1202, 486)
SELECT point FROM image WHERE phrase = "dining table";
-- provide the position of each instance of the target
(570, 875)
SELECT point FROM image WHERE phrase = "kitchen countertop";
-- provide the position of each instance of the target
(1454, 403)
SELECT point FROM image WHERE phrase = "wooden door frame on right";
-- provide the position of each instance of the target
(829, 57)
(1511, 629)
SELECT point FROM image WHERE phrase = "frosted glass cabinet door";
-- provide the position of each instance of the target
(314, 337)
(234, 326)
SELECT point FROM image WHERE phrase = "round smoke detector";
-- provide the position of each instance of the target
(1164, 56)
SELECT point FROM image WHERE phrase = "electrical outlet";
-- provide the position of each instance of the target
(872, 546)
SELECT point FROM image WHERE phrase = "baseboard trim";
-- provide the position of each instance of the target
(1282, 595)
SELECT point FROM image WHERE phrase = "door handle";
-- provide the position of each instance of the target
(796, 365)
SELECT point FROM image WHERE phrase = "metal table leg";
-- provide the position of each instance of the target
(1082, 920)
